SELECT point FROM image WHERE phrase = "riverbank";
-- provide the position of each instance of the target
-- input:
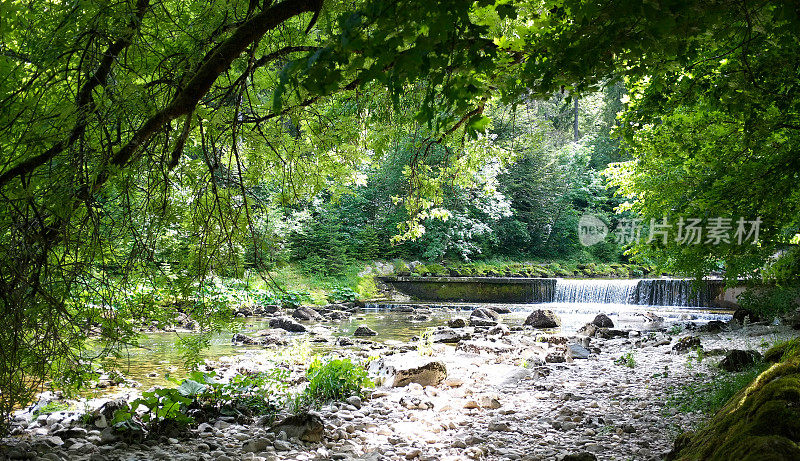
(511, 391)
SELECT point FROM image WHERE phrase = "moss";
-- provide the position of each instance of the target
(783, 351)
(761, 422)
(401, 268)
(437, 270)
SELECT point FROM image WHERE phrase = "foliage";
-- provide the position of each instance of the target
(341, 294)
(50, 407)
(293, 299)
(783, 351)
(203, 396)
(335, 379)
(710, 396)
(713, 133)
(769, 302)
(425, 343)
(627, 359)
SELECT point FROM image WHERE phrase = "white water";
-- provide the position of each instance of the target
(657, 292)
(596, 291)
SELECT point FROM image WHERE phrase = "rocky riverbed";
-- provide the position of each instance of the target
(476, 389)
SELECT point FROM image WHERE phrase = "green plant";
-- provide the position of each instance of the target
(709, 396)
(341, 294)
(202, 395)
(293, 299)
(335, 379)
(425, 343)
(50, 407)
(783, 350)
(771, 301)
(627, 360)
(675, 329)
(161, 404)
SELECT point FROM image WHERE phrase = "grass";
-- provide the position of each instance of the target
(292, 279)
(710, 396)
(51, 407)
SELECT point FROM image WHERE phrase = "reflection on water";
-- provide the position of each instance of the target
(159, 356)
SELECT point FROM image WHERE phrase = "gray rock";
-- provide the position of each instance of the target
(282, 445)
(285, 323)
(483, 316)
(457, 322)
(576, 351)
(602, 321)
(364, 330)
(355, 401)
(306, 313)
(588, 330)
(239, 338)
(307, 427)
(686, 344)
(450, 335)
(499, 426)
(541, 318)
(399, 371)
(256, 445)
(739, 360)
(499, 329)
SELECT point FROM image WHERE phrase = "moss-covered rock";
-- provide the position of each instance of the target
(761, 422)
(783, 351)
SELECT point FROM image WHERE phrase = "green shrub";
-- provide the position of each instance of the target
(627, 360)
(202, 395)
(341, 294)
(770, 301)
(293, 299)
(335, 379)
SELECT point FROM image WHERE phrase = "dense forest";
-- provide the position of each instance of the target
(153, 150)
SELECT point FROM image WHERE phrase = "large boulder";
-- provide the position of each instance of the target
(399, 371)
(364, 330)
(576, 351)
(239, 338)
(483, 317)
(450, 335)
(686, 344)
(457, 322)
(306, 313)
(742, 315)
(285, 323)
(541, 318)
(602, 321)
(739, 360)
(761, 422)
(307, 427)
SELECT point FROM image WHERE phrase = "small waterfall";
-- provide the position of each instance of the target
(542, 290)
(651, 292)
(596, 291)
(676, 292)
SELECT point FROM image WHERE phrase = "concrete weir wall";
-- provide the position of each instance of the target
(663, 292)
(474, 289)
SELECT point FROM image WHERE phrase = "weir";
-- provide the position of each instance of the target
(656, 292)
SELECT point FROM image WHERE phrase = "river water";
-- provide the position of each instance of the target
(158, 355)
